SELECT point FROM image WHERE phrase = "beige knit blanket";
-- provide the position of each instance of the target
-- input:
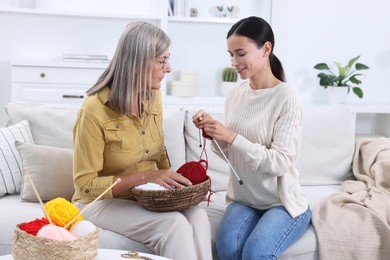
(355, 223)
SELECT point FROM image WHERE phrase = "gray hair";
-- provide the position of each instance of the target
(131, 67)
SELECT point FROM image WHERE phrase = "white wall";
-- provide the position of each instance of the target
(307, 32)
(311, 31)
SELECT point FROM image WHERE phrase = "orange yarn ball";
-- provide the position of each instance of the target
(61, 212)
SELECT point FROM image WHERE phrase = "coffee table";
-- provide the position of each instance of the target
(112, 254)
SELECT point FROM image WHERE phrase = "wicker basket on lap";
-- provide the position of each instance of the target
(172, 200)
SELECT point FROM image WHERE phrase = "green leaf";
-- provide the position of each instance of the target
(321, 66)
(360, 66)
(354, 80)
(327, 80)
(352, 61)
(342, 70)
(358, 91)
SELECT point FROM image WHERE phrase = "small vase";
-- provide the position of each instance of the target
(337, 95)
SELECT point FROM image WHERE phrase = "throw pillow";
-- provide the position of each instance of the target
(173, 125)
(44, 120)
(10, 161)
(50, 169)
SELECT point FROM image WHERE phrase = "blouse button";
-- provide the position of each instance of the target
(147, 151)
(86, 191)
(117, 126)
(143, 132)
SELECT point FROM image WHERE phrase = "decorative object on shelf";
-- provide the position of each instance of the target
(224, 11)
(179, 8)
(193, 12)
(343, 81)
(233, 11)
(85, 57)
(229, 80)
(185, 86)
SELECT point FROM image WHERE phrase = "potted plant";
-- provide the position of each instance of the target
(229, 80)
(346, 78)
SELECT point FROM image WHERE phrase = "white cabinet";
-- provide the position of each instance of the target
(53, 82)
(54, 27)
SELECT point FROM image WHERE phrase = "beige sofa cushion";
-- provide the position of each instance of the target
(50, 169)
(173, 125)
(50, 125)
(328, 143)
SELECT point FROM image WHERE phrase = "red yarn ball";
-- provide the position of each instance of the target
(34, 226)
(194, 171)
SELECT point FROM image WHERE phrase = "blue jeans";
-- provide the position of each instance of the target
(248, 233)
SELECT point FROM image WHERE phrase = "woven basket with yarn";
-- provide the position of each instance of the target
(26, 246)
(172, 200)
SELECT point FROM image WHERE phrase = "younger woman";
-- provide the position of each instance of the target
(262, 137)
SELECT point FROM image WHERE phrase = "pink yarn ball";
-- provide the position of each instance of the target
(54, 232)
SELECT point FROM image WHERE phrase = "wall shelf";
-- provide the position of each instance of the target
(76, 14)
(370, 109)
(202, 20)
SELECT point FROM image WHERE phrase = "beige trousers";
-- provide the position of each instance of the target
(182, 235)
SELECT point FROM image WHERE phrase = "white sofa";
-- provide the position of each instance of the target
(324, 163)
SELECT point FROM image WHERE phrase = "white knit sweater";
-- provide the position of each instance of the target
(264, 153)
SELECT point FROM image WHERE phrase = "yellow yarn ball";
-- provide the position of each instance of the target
(61, 212)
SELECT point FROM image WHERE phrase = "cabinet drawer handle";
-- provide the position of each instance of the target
(42, 75)
(72, 96)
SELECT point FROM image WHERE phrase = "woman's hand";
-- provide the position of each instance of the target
(198, 117)
(212, 127)
(169, 179)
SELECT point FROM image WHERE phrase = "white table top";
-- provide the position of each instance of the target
(104, 254)
(113, 254)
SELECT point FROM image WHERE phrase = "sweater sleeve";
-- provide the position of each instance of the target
(283, 148)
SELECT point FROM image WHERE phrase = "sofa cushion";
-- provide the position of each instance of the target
(44, 120)
(10, 161)
(50, 169)
(328, 143)
(173, 125)
(218, 169)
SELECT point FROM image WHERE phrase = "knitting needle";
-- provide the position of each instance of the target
(220, 149)
(89, 204)
(231, 167)
(25, 170)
